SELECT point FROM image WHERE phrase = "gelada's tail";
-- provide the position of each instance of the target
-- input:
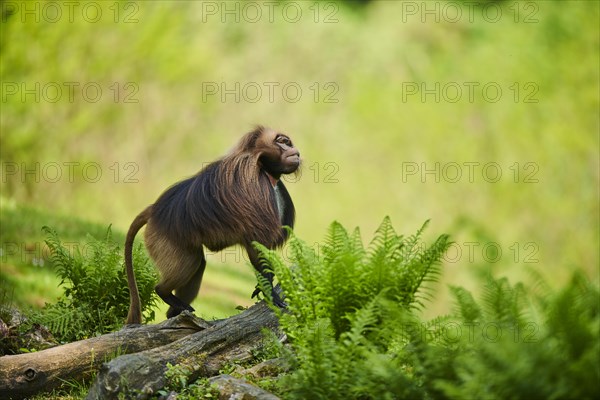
(135, 308)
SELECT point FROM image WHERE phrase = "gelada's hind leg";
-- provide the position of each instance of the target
(184, 277)
(179, 269)
(188, 292)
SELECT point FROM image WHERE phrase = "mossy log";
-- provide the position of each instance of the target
(203, 353)
(23, 375)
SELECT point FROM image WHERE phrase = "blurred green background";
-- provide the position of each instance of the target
(482, 116)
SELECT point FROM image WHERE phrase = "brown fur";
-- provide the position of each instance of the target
(231, 201)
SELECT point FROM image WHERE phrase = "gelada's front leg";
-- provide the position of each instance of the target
(253, 255)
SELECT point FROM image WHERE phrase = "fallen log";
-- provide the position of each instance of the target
(233, 388)
(202, 354)
(26, 374)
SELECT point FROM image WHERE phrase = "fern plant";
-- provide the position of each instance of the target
(354, 332)
(96, 297)
(526, 344)
(344, 308)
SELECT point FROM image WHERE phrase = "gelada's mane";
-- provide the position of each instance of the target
(244, 189)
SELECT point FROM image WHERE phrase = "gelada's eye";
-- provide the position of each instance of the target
(284, 140)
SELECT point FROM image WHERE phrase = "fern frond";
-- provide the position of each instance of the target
(265, 287)
(357, 244)
(386, 244)
(425, 269)
(411, 244)
(271, 263)
(465, 305)
(503, 303)
(383, 258)
(361, 322)
(384, 235)
(66, 266)
(337, 243)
